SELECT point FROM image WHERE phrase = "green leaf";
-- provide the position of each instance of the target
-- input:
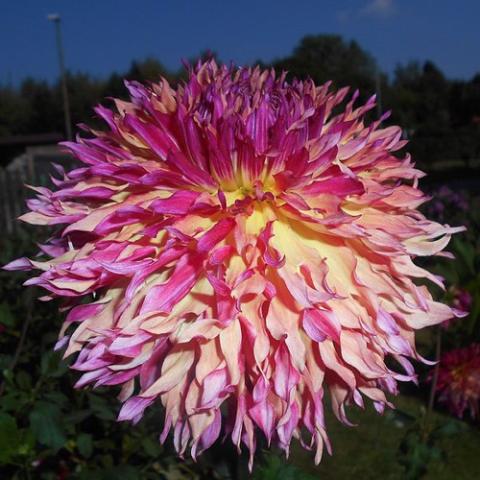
(27, 442)
(89, 475)
(466, 252)
(85, 445)
(101, 407)
(450, 428)
(9, 437)
(5, 361)
(58, 398)
(24, 381)
(52, 365)
(276, 469)
(46, 425)
(121, 472)
(6, 316)
(125, 472)
(10, 401)
(77, 416)
(8, 376)
(399, 418)
(151, 447)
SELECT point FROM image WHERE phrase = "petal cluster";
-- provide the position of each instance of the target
(235, 249)
(458, 384)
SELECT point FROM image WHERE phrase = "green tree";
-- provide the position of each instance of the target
(330, 57)
(14, 112)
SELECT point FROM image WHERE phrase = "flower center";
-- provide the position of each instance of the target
(256, 192)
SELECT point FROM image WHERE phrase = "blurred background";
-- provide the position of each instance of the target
(58, 59)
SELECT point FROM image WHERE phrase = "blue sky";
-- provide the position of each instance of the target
(101, 36)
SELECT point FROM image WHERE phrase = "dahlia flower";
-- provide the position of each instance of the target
(236, 248)
(458, 384)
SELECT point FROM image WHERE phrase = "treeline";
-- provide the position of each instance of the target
(440, 116)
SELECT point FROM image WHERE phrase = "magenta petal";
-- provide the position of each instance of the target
(133, 407)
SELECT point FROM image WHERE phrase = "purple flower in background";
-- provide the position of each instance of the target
(459, 380)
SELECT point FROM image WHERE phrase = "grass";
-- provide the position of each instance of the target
(370, 451)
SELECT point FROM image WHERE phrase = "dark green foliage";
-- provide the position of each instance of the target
(457, 208)
(440, 117)
(329, 57)
(46, 425)
(276, 468)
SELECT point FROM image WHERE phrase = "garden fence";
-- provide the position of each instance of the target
(34, 167)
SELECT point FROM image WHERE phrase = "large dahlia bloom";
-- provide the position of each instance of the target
(458, 384)
(236, 248)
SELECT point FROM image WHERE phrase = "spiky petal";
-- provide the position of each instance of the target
(249, 247)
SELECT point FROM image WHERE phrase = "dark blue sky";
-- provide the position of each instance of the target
(105, 35)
